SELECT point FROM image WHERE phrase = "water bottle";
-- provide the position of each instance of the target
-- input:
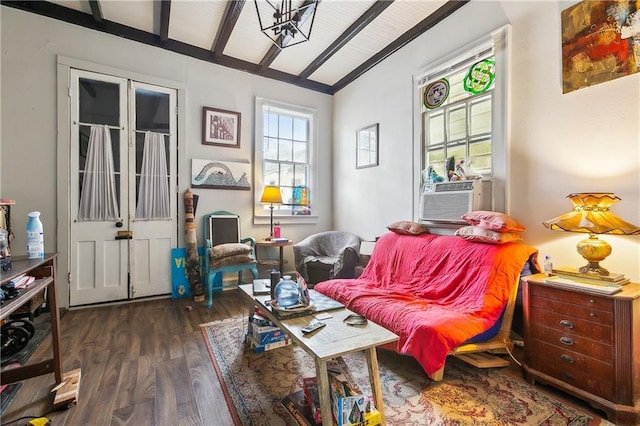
(35, 236)
(276, 230)
(548, 266)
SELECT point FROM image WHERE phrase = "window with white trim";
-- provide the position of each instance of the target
(285, 136)
(463, 113)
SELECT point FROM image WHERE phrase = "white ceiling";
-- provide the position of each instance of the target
(198, 24)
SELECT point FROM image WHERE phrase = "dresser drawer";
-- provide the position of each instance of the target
(574, 368)
(579, 305)
(559, 320)
(592, 348)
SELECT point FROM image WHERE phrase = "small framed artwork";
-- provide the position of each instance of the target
(220, 127)
(367, 147)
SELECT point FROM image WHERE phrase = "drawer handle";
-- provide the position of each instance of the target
(566, 323)
(592, 314)
(568, 376)
(567, 358)
(566, 340)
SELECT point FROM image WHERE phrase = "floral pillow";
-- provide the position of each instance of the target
(406, 227)
(483, 235)
(495, 221)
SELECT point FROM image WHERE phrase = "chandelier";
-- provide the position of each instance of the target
(291, 25)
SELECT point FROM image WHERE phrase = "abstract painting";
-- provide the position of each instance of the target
(215, 174)
(600, 42)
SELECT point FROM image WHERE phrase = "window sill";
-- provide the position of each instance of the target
(286, 220)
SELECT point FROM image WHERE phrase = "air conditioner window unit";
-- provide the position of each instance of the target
(448, 201)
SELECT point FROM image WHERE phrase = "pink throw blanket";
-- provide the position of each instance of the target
(435, 292)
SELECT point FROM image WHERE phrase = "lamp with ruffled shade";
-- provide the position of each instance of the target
(591, 215)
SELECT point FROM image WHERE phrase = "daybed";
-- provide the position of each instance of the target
(438, 293)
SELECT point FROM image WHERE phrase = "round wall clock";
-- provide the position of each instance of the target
(436, 93)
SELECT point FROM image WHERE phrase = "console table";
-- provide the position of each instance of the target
(44, 270)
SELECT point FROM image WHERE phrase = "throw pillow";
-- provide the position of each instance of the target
(230, 249)
(238, 259)
(482, 235)
(495, 221)
(406, 227)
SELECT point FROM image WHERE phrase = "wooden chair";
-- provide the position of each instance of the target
(223, 227)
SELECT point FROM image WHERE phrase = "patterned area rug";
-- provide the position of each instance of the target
(256, 383)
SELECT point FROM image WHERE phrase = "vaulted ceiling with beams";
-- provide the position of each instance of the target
(348, 37)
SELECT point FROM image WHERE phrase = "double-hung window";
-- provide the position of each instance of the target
(464, 116)
(284, 157)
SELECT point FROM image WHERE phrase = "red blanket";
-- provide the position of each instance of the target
(435, 292)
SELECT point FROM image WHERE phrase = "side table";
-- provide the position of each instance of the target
(280, 244)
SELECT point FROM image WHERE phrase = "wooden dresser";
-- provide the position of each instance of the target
(585, 343)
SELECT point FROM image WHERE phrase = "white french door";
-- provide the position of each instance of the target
(123, 200)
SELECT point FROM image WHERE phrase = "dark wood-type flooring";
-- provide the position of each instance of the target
(145, 363)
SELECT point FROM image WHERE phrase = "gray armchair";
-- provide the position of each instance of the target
(327, 255)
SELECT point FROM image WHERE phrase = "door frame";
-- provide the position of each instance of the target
(63, 168)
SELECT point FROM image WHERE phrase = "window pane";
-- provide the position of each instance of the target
(300, 175)
(457, 123)
(286, 127)
(271, 173)
(152, 111)
(435, 126)
(286, 175)
(480, 156)
(457, 152)
(270, 149)
(99, 102)
(456, 87)
(299, 152)
(286, 150)
(436, 160)
(481, 116)
(300, 129)
(271, 124)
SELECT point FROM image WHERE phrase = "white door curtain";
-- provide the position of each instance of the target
(153, 192)
(98, 199)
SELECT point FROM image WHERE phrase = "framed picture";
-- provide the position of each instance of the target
(367, 147)
(220, 127)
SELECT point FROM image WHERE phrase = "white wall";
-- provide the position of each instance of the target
(30, 47)
(583, 141)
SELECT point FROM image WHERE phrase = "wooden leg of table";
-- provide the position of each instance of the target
(374, 378)
(323, 392)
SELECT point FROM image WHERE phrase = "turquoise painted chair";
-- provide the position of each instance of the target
(223, 227)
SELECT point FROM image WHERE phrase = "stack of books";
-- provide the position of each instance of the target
(571, 277)
(263, 335)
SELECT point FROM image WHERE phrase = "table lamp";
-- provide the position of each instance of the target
(591, 215)
(271, 195)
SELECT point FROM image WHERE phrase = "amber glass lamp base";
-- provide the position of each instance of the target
(594, 250)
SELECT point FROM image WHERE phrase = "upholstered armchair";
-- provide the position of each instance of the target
(327, 255)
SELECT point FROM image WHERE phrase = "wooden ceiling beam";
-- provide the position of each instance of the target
(165, 14)
(96, 11)
(360, 24)
(229, 20)
(441, 13)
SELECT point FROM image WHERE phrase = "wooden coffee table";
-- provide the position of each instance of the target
(333, 340)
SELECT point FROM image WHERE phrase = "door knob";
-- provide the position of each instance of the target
(119, 224)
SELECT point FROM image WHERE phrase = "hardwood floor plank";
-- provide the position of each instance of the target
(136, 414)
